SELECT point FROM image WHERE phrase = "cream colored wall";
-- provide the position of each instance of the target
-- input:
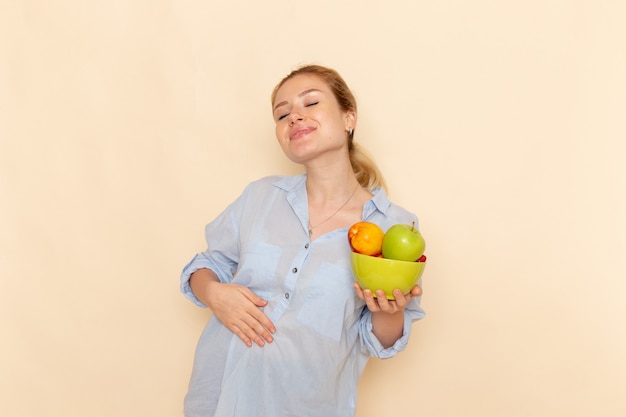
(126, 126)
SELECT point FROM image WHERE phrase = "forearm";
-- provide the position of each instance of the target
(388, 328)
(200, 281)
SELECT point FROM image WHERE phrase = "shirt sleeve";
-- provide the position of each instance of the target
(200, 261)
(370, 342)
(222, 253)
(390, 214)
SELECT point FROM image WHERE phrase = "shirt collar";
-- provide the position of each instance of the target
(378, 202)
(291, 183)
(296, 183)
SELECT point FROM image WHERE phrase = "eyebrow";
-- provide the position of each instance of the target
(304, 93)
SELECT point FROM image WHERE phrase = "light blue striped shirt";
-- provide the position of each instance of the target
(323, 333)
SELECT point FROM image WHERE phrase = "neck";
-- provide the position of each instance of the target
(328, 184)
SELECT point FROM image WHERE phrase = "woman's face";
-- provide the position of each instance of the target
(309, 122)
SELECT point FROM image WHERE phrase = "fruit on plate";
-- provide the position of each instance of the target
(366, 238)
(403, 242)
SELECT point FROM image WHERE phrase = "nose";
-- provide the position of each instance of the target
(294, 117)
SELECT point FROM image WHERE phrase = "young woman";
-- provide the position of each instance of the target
(291, 332)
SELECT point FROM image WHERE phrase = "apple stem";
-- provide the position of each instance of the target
(412, 226)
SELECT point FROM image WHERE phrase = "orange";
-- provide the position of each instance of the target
(366, 238)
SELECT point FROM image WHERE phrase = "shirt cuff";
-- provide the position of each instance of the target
(373, 346)
(198, 262)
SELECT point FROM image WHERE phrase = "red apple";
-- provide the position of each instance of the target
(403, 242)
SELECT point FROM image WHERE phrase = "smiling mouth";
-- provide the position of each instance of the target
(300, 132)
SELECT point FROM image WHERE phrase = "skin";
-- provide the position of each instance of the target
(311, 129)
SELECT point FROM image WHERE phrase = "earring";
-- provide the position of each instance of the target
(350, 131)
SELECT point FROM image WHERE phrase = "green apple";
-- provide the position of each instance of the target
(403, 242)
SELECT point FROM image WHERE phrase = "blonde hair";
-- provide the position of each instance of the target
(364, 167)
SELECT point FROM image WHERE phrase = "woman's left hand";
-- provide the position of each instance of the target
(381, 303)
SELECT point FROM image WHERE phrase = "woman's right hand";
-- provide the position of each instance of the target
(236, 306)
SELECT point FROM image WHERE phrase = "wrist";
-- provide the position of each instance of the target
(201, 283)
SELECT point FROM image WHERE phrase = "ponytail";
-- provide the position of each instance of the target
(364, 167)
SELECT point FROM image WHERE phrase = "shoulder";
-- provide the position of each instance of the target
(272, 185)
(391, 212)
(256, 194)
(276, 182)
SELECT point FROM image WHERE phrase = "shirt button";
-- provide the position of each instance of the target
(287, 295)
(306, 246)
(294, 270)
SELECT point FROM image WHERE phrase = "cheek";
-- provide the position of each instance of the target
(282, 135)
(279, 130)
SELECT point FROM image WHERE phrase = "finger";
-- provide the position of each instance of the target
(383, 303)
(262, 325)
(245, 330)
(259, 326)
(401, 299)
(256, 313)
(240, 334)
(372, 305)
(250, 295)
(256, 337)
(381, 298)
(359, 291)
(416, 291)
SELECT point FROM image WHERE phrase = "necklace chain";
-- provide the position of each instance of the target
(334, 214)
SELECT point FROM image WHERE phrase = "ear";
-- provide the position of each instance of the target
(350, 119)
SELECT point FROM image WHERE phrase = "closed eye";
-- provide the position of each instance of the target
(282, 116)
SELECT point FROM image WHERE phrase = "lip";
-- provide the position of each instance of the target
(299, 132)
